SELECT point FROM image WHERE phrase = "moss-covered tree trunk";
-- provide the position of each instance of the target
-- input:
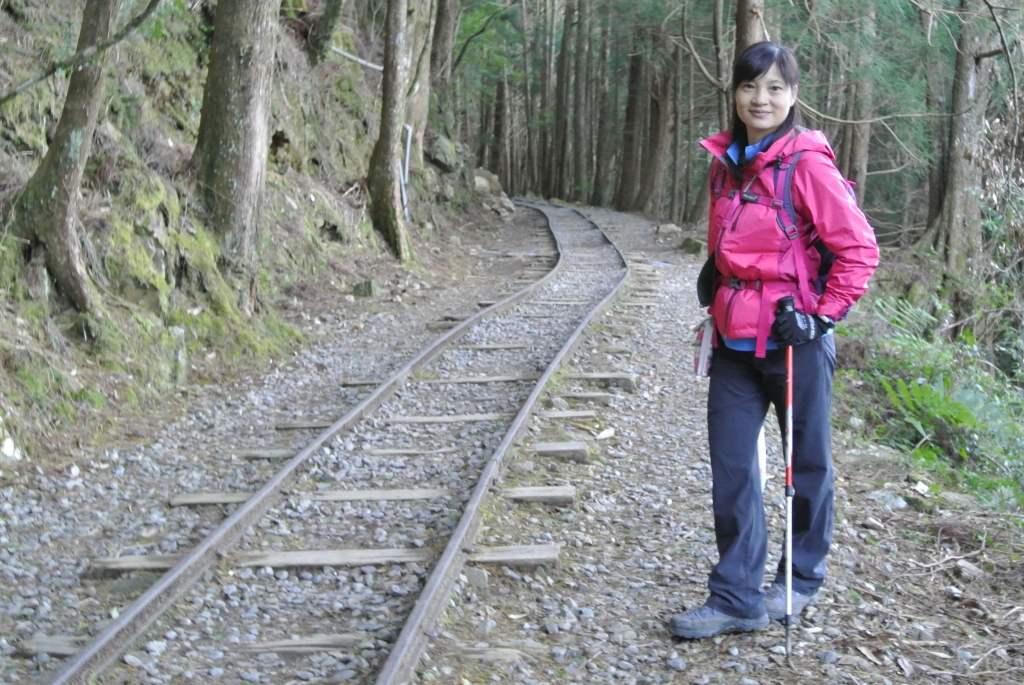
(384, 182)
(323, 30)
(956, 231)
(46, 213)
(231, 151)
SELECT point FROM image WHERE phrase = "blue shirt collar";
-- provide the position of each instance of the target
(751, 151)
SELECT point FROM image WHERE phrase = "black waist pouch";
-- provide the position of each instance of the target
(706, 282)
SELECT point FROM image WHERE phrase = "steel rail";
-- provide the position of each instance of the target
(110, 643)
(408, 648)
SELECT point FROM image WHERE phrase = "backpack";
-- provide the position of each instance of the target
(786, 217)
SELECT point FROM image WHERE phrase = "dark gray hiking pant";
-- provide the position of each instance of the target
(741, 388)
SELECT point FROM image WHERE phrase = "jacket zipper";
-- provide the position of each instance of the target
(728, 309)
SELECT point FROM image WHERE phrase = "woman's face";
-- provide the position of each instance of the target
(764, 103)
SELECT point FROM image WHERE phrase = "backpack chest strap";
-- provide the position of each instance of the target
(765, 200)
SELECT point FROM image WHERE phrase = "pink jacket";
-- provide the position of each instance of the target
(758, 262)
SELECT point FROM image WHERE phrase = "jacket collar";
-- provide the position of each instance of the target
(796, 140)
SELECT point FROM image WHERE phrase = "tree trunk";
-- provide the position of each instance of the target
(558, 171)
(484, 135)
(545, 32)
(602, 105)
(653, 170)
(384, 181)
(498, 157)
(691, 144)
(625, 192)
(721, 65)
(446, 23)
(47, 210)
(419, 38)
(528, 175)
(750, 24)
(323, 30)
(935, 103)
(441, 48)
(848, 111)
(835, 86)
(231, 151)
(580, 112)
(957, 228)
(676, 136)
(863, 110)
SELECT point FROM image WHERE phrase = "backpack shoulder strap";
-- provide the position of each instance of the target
(718, 174)
(786, 166)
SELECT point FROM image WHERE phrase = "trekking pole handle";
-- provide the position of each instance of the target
(785, 304)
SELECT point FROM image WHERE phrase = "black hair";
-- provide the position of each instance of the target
(752, 63)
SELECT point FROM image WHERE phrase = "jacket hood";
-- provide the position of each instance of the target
(795, 141)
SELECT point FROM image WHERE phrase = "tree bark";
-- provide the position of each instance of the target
(935, 102)
(234, 131)
(750, 24)
(420, 34)
(384, 181)
(323, 30)
(677, 116)
(601, 145)
(580, 111)
(545, 34)
(528, 174)
(484, 135)
(625, 192)
(558, 171)
(691, 144)
(498, 157)
(653, 171)
(863, 110)
(442, 45)
(446, 24)
(956, 230)
(47, 210)
(721, 64)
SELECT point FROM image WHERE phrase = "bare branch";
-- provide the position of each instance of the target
(479, 32)
(80, 59)
(707, 74)
(875, 120)
(1016, 89)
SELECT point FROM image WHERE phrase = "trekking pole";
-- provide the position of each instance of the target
(785, 305)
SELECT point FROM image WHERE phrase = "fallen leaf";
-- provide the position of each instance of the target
(908, 668)
(516, 617)
(969, 569)
(873, 523)
(871, 657)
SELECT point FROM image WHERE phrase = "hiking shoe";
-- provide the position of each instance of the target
(775, 601)
(707, 621)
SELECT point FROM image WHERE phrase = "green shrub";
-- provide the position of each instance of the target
(941, 401)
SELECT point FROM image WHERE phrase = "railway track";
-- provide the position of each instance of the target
(352, 544)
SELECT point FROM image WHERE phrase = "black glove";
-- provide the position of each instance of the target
(793, 327)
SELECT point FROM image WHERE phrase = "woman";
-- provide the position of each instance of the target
(783, 222)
